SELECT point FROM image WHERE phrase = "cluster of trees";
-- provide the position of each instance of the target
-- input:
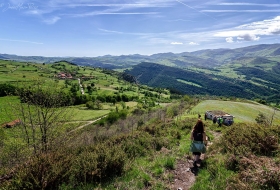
(68, 98)
(7, 89)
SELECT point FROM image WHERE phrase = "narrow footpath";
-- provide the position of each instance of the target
(184, 173)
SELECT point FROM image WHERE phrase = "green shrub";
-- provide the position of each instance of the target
(245, 139)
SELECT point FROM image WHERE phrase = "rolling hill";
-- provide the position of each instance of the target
(191, 82)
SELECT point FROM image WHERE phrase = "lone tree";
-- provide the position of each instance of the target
(43, 113)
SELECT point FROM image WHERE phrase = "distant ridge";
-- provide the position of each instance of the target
(202, 58)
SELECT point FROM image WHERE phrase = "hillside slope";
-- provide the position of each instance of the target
(191, 82)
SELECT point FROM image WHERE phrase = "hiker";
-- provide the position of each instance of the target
(229, 122)
(220, 121)
(198, 137)
(215, 120)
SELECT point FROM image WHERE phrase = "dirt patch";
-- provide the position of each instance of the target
(185, 173)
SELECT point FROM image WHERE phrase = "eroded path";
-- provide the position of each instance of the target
(185, 173)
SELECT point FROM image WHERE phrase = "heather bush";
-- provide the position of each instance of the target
(246, 139)
(256, 173)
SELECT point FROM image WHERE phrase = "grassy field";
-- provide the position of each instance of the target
(5, 108)
(242, 112)
(84, 114)
(78, 113)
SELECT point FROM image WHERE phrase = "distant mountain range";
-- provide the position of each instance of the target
(204, 58)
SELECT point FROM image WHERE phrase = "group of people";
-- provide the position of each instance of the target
(218, 120)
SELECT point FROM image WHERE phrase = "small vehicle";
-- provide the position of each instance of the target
(214, 115)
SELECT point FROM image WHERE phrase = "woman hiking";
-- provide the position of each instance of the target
(198, 137)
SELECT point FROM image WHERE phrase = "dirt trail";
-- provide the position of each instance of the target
(185, 173)
(88, 123)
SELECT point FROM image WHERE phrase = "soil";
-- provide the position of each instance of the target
(185, 173)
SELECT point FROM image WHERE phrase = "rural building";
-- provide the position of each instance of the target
(63, 75)
(12, 123)
(214, 114)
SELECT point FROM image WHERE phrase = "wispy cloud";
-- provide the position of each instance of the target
(52, 20)
(243, 11)
(249, 4)
(111, 31)
(130, 5)
(111, 13)
(180, 20)
(176, 43)
(193, 43)
(129, 33)
(194, 9)
(22, 41)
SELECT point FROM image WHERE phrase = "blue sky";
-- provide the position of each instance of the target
(120, 27)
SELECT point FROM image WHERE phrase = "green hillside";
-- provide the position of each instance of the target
(197, 82)
(245, 112)
(103, 89)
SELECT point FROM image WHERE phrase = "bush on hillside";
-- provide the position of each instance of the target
(246, 139)
(256, 173)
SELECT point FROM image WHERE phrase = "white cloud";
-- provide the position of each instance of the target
(193, 43)
(52, 20)
(176, 43)
(248, 37)
(229, 40)
(274, 30)
(252, 31)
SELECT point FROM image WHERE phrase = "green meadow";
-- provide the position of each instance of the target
(243, 112)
